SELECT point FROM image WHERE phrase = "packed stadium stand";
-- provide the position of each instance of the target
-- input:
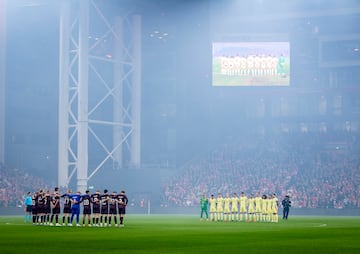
(301, 165)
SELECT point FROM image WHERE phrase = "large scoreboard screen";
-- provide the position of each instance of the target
(251, 64)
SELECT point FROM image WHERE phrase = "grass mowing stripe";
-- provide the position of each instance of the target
(185, 234)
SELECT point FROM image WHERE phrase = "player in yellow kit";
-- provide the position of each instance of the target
(220, 207)
(268, 208)
(258, 207)
(264, 211)
(234, 207)
(274, 208)
(243, 207)
(251, 208)
(212, 201)
(227, 201)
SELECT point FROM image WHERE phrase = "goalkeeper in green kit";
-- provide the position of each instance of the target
(204, 202)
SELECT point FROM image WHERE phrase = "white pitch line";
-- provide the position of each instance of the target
(320, 226)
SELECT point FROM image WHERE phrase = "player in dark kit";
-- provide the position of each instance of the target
(34, 209)
(67, 207)
(86, 201)
(122, 202)
(55, 204)
(95, 200)
(113, 208)
(104, 208)
(41, 207)
(47, 208)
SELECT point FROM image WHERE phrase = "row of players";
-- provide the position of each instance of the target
(242, 208)
(257, 65)
(98, 209)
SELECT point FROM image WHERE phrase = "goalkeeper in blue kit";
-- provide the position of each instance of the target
(75, 200)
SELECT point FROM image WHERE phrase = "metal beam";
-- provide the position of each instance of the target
(2, 78)
(118, 131)
(83, 70)
(63, 94)
(136, 95)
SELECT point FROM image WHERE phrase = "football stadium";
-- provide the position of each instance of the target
(168, 126)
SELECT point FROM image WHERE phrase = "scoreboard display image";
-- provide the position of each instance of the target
(251, 64)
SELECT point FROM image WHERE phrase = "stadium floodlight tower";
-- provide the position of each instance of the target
(99, 92)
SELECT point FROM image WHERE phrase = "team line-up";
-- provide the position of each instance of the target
(98, 208)
(262, 208)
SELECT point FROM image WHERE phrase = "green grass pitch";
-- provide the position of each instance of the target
(185, 234)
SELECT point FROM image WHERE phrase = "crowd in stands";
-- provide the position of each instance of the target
(314, 173)
(302, 166)
(15, 183)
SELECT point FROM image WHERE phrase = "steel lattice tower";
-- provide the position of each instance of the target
(99, 92)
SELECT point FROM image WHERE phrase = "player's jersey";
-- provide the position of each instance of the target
(264, 206)
(55, 201)
(122, 200)
(105, 200)
(40, 200)
(227, 201)
(67, 202)
(47, 203)
(86, 201)
(243, 204)
(212, 202)
(251, 205)
(204, 202)
(34, 201)
(95, 199)
(113, 202)
(75, 200)
(258, 201)
(274, 205)
(220, 204)
(234, 204)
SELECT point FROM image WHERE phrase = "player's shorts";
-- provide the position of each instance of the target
(242, 209)
(40, 209)
(227, 210)
(47, 209)
(56, 210)
(112, 210)
(105, 210)
(29, 208)
(122, 210)
(220, 210)
(96, 208)
(87, 210)
(67, 209)
(251, 210)
(34, 210)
